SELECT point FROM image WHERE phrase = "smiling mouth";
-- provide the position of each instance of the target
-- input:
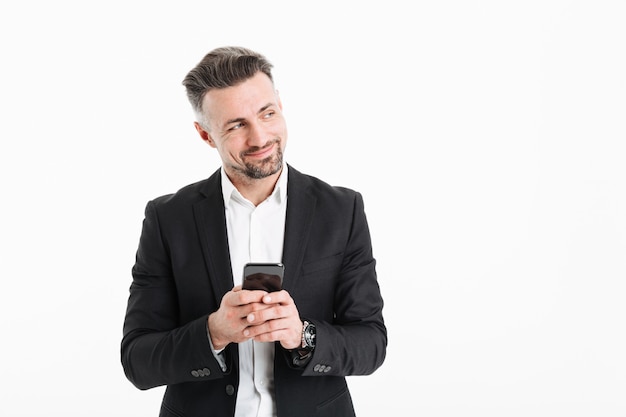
(262, 152)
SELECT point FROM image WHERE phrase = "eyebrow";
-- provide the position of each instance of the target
(241, 119)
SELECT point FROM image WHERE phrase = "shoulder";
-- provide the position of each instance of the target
(320, 189)
(190, 194)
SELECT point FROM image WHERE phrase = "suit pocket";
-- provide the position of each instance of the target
(169, 412)
(339, 405)
(329, 263)
(314, 291)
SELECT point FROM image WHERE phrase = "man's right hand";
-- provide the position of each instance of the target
(228, 323)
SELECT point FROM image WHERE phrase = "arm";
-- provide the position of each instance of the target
(336, 288)
(157, 348)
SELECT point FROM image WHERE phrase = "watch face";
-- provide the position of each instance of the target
(309, 335)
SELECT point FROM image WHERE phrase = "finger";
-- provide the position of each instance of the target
(275, 330)
(278, 297)
(251, 296)
(274, 314)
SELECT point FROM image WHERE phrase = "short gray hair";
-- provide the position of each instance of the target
(221, 68)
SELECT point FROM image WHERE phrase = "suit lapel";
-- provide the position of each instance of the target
(211, 225)
(300, 209)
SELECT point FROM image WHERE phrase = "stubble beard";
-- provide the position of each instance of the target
(265, 168)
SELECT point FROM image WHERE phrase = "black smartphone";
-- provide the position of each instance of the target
(263, 276)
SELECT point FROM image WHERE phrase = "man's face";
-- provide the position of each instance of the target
(247, 128)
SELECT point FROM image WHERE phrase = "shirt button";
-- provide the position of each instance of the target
(230, 390)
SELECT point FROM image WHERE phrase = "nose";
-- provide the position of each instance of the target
(256, 135)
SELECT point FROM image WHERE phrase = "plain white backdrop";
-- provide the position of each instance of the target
(487, 138)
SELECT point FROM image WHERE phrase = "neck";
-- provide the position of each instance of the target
(255, 190)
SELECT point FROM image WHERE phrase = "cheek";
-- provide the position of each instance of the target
(231, 151)
(230, 145)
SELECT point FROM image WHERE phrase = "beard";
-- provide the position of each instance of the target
(266, 167)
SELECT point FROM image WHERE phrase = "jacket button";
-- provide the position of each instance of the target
(206, 371)
(317, 368)
(195, 373)
(327, 369)
(230, 390)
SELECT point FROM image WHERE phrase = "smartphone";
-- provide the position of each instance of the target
(263, 276)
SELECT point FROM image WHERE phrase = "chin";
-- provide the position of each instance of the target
(266, 168)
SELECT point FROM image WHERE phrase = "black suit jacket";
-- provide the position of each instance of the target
(182, 270)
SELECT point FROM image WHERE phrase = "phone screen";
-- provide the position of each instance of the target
(263, 276)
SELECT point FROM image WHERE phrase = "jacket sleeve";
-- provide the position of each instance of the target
(157, 349)
(351, 334)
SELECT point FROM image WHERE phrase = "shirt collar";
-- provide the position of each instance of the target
(229, 191)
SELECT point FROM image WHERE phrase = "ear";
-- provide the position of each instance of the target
(204, 134)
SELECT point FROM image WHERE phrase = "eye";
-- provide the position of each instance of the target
(268, 114)
(236, 126)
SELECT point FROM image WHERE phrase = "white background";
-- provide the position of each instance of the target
(487, 138)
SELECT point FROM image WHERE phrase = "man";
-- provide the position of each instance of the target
(224, 351)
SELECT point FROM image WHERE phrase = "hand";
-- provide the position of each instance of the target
(278, 321)
(228, 323)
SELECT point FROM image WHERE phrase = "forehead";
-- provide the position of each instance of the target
(241, 99)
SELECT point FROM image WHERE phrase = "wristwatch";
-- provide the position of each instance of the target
(308, 336)
(302, 355)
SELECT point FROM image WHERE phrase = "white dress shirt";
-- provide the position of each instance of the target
(255, 234)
